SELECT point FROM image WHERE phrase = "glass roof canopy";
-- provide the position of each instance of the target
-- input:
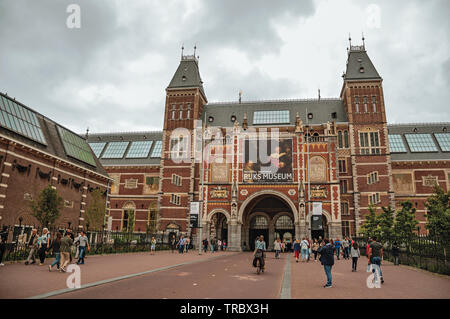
(421, 143)
(115, 149)
(76, 147)
(97, 148)
(157, 149)
(17, 118)
(271, 117)
(443, 140)
(396, 144)
(139, 149)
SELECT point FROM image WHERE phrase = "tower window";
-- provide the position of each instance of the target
(365, 105)
(310, 116)
(346, 139)
(374, 104)
(340, 139)
(333, 115)
(357, 104)
(369, 143)
(233, 118)
(210, 119)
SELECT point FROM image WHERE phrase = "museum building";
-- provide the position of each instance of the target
(279, 168)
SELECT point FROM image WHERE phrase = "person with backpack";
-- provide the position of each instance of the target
(326, 251)
(375, 256)
(305, 249)
(65, 250)
(355, 253)
(346, 248)
(337, 245)
(297, 248)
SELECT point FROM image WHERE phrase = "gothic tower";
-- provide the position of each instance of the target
(362, 93)
(179, 175)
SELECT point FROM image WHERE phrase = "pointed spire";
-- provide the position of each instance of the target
(195, 48)
(87, 134)
(318, 90)
(182, 50)
(240, 96)
(350, 40)
(364, 44)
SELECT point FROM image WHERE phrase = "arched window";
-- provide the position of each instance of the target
(284, 222)
(259, 222)
(346, 139)
(340, 139)
(128, 216)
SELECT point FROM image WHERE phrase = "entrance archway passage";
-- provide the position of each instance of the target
(268, 215)
(259, 225)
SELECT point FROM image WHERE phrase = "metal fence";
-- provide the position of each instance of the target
(15, 244)
(425, 252)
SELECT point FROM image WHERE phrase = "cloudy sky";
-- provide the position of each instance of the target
(111, 73)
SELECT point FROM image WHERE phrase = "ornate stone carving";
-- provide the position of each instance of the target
(318, 169)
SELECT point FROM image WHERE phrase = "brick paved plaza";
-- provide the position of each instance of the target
(218, 275)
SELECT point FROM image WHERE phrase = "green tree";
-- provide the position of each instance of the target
(386, 224)
(95, 213)
(371, 225)
(438, 215)
(46, 208)
(405, 223)
(130, 225)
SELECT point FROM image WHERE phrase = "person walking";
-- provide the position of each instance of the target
(43, 243)
(56, 248)
(173, 243)
(83, 243)
(346, 247)
(187, 242)
(224, 245)
(68, 230)
(326, 251)
(355, 253)
(205, 245)
(219, 244)
(3, 240)
(32, 244)
(395, 253)
(180, 244)
(212, 243)
(283, 245)
(314, 248)
(337, 245)
(65, 250)
(375, 257)
(152, 246)
(297, 248)
(305, 249)
(277, 247)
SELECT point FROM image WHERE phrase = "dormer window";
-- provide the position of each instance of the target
(310, 116)
(210, 119)
(233, 118)
(361, 70)
(183, 78)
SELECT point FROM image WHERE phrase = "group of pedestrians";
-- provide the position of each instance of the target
(214, 245)
(61, 246)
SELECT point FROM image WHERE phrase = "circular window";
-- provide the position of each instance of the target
(210, 119)
(361, 70)
(233, 118)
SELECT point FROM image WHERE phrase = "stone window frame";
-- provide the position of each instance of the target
(131, 183)
(374, 198)
(344, 166)
(175, 199)
(356, 104)
(344, 190)
(373, 177)
(176, 152)
(347, 212)
(369, 149)
(374, 103)
(176, 179)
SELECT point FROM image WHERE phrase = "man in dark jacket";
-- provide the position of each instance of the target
(326, 251)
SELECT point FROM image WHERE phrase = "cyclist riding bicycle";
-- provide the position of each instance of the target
(260, 248)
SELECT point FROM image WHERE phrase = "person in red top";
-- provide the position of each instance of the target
(368, 246)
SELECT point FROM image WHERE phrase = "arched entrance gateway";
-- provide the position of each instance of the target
(271, 215)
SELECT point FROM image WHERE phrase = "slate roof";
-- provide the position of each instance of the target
(322, 111)
(358, 61)
(419, 128)
(187, 75)
(54, 144)
(130, 137)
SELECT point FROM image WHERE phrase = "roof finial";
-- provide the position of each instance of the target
(87, 133)
(319, 93)
(240, 96)
(364, 44)
(195, 48)
(350, 40)
(182, 49)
